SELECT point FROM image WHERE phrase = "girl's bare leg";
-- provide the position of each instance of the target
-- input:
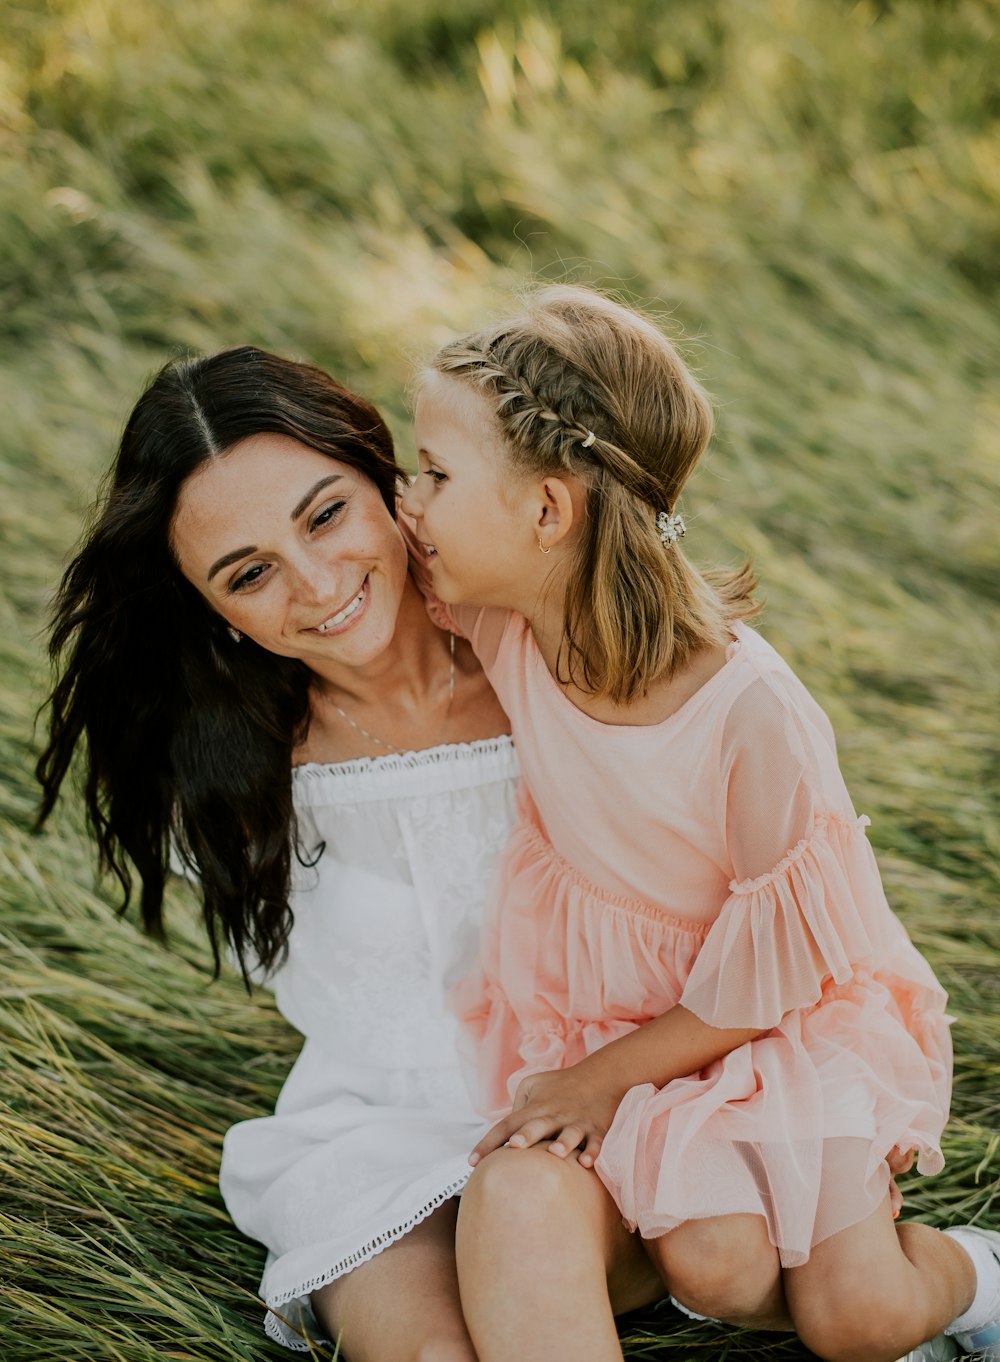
(545, 1262)
(876, 1290)
(725, 1267)
(403, 1305)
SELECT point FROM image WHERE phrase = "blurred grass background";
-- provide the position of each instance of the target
(808, 190)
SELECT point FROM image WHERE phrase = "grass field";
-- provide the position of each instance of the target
(808, 190)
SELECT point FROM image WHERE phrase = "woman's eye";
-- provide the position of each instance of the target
(327, 514)
(247, 578)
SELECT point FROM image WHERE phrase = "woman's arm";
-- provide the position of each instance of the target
(575, 1107)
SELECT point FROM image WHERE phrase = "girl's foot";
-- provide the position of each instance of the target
(978, 1329)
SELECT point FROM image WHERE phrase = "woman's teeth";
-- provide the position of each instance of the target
(344, 614)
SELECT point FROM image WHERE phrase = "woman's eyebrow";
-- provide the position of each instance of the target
(237, 554)
(323, 482)
(228, 558)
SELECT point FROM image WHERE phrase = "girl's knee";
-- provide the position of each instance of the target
(860, 1327)
(727, 1271)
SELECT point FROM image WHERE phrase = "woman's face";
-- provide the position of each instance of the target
(294, 549)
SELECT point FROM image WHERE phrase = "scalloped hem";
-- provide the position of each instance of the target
(281, 1332)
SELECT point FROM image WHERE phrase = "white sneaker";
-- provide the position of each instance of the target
(940, 1349)
(984, 1343)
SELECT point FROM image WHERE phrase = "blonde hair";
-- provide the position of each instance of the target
(575, 362)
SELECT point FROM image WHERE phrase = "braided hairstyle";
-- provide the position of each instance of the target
(583, 385)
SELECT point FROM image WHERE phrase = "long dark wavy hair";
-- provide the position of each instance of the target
(186, 738)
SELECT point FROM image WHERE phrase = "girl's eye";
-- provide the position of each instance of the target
(247, 578)
(436, 476)
(327, 514)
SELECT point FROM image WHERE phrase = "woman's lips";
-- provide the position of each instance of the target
(346, 616)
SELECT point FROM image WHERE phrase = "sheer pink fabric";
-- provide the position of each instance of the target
(715, 860)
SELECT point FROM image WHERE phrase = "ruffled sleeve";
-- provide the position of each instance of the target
(781, 936)
(806, 904)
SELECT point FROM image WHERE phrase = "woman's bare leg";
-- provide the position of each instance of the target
(876, 1290)
(545, 1262)
(403, 1305)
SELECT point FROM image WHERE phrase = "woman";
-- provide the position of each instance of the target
(263, 701)
(259, 693)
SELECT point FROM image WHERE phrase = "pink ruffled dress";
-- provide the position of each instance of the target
(715, 860)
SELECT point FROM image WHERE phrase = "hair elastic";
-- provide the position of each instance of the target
(671, 527)
(591, 437)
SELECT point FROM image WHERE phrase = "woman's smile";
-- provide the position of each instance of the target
(348, 615)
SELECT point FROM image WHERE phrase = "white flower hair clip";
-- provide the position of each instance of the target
(671, 527)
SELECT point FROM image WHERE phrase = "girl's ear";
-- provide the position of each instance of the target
(559, 506)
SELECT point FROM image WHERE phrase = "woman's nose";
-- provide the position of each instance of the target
(314, 584)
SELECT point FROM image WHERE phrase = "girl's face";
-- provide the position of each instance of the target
(472, 511)
(294, 549)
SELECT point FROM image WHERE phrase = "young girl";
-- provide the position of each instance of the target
(692, 981)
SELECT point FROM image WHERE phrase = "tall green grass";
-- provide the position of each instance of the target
(807, 190)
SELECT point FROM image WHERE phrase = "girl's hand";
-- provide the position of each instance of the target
(899, 1161)
(564, 1106)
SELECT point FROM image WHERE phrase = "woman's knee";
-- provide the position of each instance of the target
(444, 1348)
(728, 1271)
(423, 1343)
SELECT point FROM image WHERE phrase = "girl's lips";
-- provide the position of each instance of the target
(347, 616)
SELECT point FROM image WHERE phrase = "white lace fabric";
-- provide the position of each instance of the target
(373, 1126)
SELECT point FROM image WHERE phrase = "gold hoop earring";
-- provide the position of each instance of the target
(542, 546)
(234, 634)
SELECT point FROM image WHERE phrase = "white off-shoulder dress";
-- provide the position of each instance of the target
(373, 1127)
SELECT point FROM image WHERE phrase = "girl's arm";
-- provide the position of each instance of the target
(804, 893)
(574, 1107)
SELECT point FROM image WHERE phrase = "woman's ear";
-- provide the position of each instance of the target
(560, 504)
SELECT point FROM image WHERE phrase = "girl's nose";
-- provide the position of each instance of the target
(410, 500)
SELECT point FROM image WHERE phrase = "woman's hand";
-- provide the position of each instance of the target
(565, 1106)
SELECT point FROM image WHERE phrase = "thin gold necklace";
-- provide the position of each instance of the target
(394, 747)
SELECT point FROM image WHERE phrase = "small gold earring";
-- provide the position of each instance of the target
(234, 634)
(542, 546)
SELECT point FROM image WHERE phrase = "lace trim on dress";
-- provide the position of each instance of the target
(405, 761)
(800, 848)
(284, 1332)
(409, 773)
